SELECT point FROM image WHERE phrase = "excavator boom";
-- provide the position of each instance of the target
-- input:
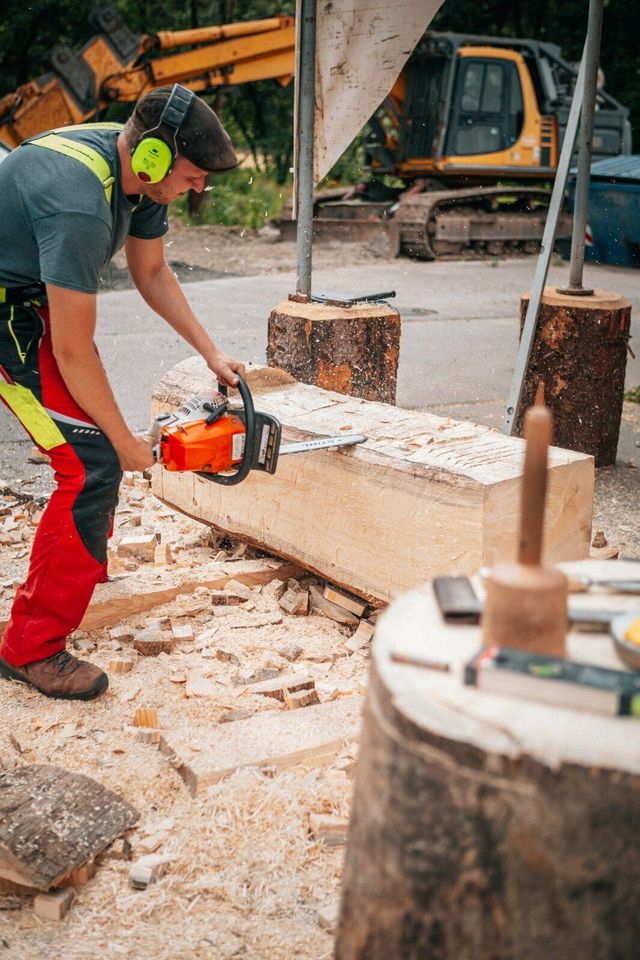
(118, 66)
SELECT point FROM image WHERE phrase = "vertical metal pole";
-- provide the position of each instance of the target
(305, 102)
(542, 266)
(583, 179)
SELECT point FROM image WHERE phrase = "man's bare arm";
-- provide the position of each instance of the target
(73, 322)
(158, 285)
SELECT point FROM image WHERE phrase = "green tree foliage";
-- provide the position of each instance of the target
(259, 115)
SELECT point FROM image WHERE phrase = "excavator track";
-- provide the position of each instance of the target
(495, 221)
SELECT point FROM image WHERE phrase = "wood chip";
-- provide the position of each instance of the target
(226, 656)
(295, 602)
(80, 875)
(361, 638)
(329, 915)
(237, 589)
(331, 610)
(53, 906)
(146, 717)
(291, 682)
(162, 555)
(345, 600)
(148, 870)
(151, 641)
(300, 698)
(274, 589)
(120, 664)
(140, 547)
(182, 631)
(147, 735)
(289, 651)
(328, 828)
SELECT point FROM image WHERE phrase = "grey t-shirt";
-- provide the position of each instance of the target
(56, 224)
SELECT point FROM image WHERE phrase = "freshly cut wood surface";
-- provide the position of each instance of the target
(424, 496)
(52, 821)
(312, 736)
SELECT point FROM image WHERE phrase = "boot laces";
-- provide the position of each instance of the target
(62, 660)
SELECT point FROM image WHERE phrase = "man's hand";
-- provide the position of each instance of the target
(225, 368)
(136, 453)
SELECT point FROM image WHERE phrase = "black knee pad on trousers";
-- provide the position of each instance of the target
(95, 505)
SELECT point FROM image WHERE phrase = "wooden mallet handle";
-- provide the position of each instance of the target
(537, 432)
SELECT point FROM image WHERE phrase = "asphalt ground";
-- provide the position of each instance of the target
(458, 348)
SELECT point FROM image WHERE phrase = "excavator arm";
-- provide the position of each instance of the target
(118, 66)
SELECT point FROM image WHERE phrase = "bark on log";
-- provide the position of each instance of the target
(423, 496)
(52, 821)
(486, 827)
(350, 350)
(580, 354)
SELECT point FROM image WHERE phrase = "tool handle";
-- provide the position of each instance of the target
(250, 437)
(537, 432)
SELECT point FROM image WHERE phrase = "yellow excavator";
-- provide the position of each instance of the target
(472, 127)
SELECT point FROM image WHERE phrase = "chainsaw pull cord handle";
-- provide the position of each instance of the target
(250, 438)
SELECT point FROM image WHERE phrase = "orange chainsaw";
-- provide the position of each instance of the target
(208, 436)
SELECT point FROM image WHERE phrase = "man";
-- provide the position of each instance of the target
(68, 202)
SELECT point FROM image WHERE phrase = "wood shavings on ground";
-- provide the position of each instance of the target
(245, 875)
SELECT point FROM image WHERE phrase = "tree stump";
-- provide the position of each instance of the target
(352, 350)
(486, 827)
(580, 354)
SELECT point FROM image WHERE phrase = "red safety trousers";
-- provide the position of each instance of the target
(69, 550)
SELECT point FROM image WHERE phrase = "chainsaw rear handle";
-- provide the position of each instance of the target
(250, 437)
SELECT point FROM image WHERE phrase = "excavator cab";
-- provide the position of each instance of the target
(478, 109)
(488, 107)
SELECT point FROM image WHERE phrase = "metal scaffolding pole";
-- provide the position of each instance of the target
(305, 102)
(542, 267)
(581, 205)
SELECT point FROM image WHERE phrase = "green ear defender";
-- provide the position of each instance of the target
(153, 158)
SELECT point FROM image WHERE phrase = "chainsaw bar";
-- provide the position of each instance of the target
(322, 442)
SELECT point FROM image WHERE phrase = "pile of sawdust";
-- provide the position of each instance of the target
(246, 877)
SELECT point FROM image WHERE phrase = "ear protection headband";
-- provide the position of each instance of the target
(152, 158)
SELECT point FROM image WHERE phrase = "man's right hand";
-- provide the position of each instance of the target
(136, 453)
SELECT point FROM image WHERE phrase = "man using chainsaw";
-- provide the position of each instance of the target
(69, 199)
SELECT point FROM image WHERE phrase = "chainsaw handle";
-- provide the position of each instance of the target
(250, 437)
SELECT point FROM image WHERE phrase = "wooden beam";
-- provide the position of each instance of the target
(424, 496)
(117, 600)
(311, 737)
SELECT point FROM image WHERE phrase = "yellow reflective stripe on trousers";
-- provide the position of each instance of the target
(32, 415)
(84, 154)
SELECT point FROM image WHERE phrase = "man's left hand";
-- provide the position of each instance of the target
(225, 368)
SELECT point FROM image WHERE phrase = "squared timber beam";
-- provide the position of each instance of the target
(425, 496)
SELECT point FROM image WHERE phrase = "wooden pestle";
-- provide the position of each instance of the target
(526, 603)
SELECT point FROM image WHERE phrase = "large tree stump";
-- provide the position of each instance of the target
(352, 350)
(580, 354)
(486, 827)
(52, 820)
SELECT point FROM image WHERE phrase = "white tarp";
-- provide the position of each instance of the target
(361, 47)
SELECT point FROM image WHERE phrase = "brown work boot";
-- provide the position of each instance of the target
(62, 676)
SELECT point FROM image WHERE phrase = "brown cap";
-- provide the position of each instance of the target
(201, 138)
